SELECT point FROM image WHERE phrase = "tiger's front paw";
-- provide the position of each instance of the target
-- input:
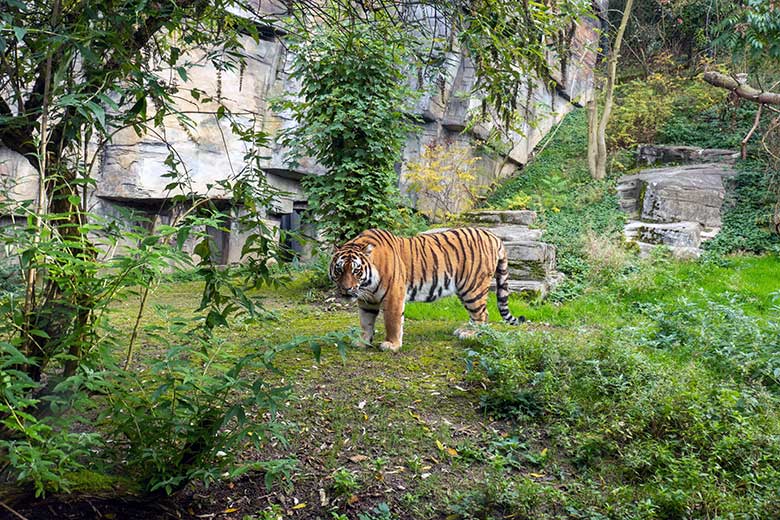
(386, 345)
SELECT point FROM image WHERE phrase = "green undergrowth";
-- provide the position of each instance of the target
(747, 219)
(579, 216)
(652, 395)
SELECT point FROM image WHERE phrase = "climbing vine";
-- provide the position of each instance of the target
(351, 116)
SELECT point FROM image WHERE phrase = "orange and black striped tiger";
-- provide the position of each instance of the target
(384, 271)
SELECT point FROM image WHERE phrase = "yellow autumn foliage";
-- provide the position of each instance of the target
(443, 178)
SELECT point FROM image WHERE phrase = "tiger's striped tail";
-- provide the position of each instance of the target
(502, 289)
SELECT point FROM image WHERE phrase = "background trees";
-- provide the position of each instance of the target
(73, 75)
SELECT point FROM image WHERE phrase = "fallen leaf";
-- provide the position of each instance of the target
(439, 445)
(351, 500)
(230, 510)
(358, 458)
(537, 475)
(299, 506)
(453, 452)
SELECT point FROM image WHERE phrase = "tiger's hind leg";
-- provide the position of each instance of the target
(475, 302)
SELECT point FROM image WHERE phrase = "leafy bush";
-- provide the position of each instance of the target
(747, 219)
(727, 339)
(668, 109)
(443, 180)
(190, 415)
(661, 434)
(184, 417)
(351, 118)
(642, 107)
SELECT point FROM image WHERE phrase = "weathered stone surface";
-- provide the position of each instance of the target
(676, 234)
(522, 217)
(514, 233)
(686, 253)
(678, 207)
(18, 179)
(652, 153)
(686, 193)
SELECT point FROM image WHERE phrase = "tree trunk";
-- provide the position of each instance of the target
(593, 116)
(599, 171)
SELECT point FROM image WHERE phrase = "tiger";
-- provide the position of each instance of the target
(384, 271)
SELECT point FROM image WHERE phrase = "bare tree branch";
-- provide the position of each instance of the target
(742, 90)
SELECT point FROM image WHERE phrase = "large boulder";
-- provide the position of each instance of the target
(675, 234)
(691, 193)
(678, 207)
(522, 217)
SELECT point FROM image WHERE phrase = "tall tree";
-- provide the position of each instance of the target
(597, 123)
(74, 73)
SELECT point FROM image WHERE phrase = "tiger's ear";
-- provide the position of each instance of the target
(368, 248)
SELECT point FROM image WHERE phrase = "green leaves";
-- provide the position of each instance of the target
(753, 28)
(510, 41)
(350, 118)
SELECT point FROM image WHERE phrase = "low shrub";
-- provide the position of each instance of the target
(747, 219)
(722, 335)
(663, 435)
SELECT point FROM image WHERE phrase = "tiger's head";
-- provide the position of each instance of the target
(350, 269)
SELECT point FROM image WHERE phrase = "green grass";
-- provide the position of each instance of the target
(531, 427)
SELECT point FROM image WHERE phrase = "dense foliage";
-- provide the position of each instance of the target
(752, 28)
(77, 74)
(747, 219)
(501, 32)
(351, 117)
(674, 416)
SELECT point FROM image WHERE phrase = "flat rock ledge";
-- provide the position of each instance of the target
(522, 217)
(679, 207)
(532, 263)
(665, 154)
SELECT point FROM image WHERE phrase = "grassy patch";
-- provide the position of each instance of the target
(603, 405)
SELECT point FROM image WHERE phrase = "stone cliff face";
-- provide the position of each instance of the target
(130, 170)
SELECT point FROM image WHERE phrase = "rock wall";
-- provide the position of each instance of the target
(678, 206)
(131, 168)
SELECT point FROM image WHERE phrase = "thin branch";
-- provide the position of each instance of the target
(753, 129)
